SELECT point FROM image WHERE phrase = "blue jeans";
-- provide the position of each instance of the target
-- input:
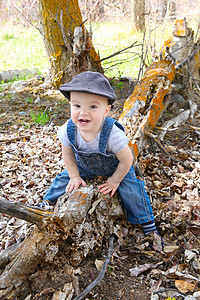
(133, 196)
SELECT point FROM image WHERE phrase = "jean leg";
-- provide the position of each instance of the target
(57, 188)
(135, 199)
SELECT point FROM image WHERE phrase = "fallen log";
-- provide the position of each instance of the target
(61, 239)
(147, 103)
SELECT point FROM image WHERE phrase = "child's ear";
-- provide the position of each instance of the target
(107, 110)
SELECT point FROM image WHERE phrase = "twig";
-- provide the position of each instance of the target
(194, 127)
(29, 21)
(106, 201)
(118, 52)
(130, 58)
(155, 22)
(123, 60)
(184, 139)
(119, 63)
(197, 32)
(187, 52)
(148, 49)
(164, 150)
(17, 138)
(142, 57)
(102, 272)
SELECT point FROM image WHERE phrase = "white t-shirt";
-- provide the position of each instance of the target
(116, 142)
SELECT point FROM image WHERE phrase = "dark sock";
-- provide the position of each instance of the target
(149, 227)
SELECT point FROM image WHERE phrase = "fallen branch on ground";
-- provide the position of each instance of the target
(102, 272)
(17, 138)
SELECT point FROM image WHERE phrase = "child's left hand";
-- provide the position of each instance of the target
(109, 186)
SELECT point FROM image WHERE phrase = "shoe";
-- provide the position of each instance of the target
(45, 204)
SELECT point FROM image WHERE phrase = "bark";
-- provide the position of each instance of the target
(59, 18)
(181, 47)
(77, 227)
(28, 213)
(147, 103)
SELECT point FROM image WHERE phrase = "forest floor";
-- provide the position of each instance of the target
(31, 157)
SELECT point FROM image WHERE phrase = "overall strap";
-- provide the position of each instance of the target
(71, 132)
(105, 133)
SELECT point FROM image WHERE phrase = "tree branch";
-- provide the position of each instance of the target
(119, 52)
(19, 210)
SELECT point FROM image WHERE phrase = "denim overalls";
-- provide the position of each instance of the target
(131, 190)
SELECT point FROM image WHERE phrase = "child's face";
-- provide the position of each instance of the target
(88, 111)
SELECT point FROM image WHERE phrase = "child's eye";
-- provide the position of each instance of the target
(93, 106)
(77, 105)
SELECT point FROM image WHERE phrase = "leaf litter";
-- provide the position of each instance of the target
(31, 158)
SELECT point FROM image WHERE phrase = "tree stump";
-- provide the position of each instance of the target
(45, 261)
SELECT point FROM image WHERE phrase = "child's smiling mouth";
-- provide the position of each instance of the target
(83, 121)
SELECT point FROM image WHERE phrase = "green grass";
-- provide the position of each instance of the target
(40, 118)
(29, 100)
(8, 36)
(22, 48)
(1, 86)
(109, 38)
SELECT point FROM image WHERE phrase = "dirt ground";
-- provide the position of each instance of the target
(16, 109)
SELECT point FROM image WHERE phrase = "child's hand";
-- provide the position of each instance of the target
(109, 186)
(74, 184)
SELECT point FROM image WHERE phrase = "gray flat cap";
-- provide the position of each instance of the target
(89, 82)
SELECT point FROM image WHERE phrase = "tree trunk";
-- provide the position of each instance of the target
(138, 13)
(81, 221)
(59, 18)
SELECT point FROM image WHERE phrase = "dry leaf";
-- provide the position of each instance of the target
(158, 184)
(189, 255)
(184, 286)
(99, 264)
(170, 249)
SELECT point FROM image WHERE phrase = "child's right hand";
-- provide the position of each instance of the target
(74, 184)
